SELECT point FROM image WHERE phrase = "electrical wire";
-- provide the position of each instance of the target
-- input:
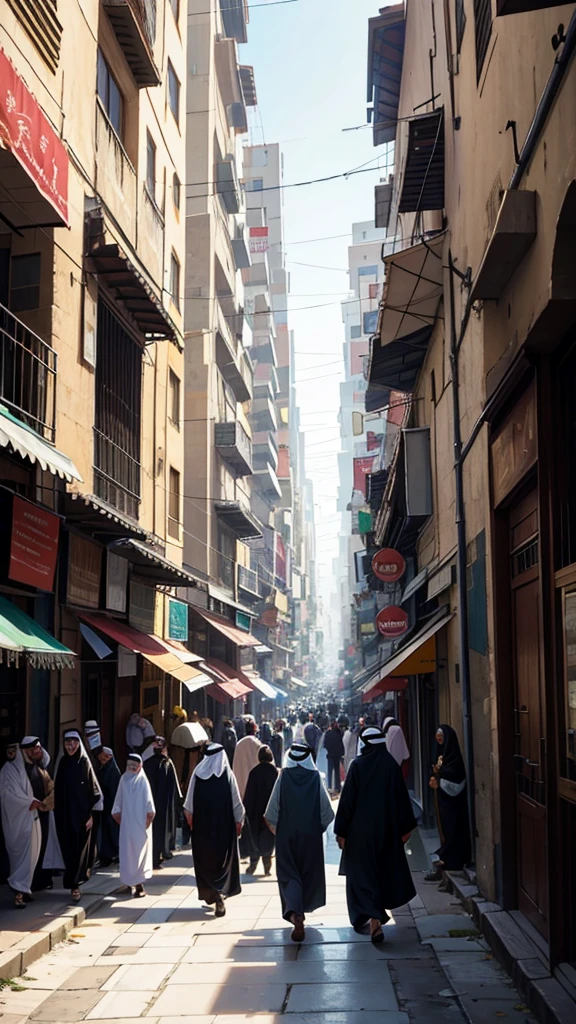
(242, 6)
(276, 188)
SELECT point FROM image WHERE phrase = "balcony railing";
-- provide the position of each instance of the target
(248, 579)
(28, 368)
(116, 475)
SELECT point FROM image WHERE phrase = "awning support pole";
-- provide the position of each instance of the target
(464, 652)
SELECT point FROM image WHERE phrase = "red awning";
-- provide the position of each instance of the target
(224, 626)
(224, 673)
(161, 653)
(223, 692)
(386, 685)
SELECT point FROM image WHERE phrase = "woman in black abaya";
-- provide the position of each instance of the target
(77, 795)
(215, 814)
(257, 839)
(449, 781)
(108, 775)
(373, 821)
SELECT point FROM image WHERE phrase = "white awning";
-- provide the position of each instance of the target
(260, 684)
(298, 682)
(29, 445)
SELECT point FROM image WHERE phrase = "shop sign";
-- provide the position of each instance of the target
(116, 582)
(441, 581)
(258, 239)
(26, 132)
(388, 565)
(127, 662)
(362, 467)
(84, 572)
(33, 545)
(515, 449)
(177, 620)
(392, 622)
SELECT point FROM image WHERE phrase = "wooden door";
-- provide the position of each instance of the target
(529, 740)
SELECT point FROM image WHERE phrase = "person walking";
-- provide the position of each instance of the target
(350, 743)
(277, 742)
(167, 797)
(21, 825)
(77, 794)
(373, 821)
(108, 775)
(334, 748)
(257, 837)
(312, 735)
(134, 812)
(215, 815)
(395, 741)
(246, 756)
(299, 812)
(449, 784)
(229, 740)
(36, 761)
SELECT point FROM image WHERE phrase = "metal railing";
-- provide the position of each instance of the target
(28, 369)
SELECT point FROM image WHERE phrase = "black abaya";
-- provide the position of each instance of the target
(277, 747)
(164, 785)
(214, 839)
(76, 794)
(299, 846)
(257, 839)
(109, 835)
(373, 815)
(455, 851)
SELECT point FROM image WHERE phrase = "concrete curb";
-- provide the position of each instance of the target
(519, 956)
(16, 960)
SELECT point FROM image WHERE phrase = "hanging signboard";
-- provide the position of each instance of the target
(392, 622)
(177, 620)
(388, 565)
(362, 467)
(33, 544)
(84, 572)
(258, 239)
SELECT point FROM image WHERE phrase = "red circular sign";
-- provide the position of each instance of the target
(392, 622)
(388, 565)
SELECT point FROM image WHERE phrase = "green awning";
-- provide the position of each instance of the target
(22, 636)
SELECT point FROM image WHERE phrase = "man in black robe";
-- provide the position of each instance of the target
(373, 822)
(257, 838)
(229, 739)
(108, 775)
(299, 812)
(42, 785)
(167, 798)
(215, 814)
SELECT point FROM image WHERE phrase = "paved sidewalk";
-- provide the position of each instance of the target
(166, 960)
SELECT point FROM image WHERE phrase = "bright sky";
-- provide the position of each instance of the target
(309, 61)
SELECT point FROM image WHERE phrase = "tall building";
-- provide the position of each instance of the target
(477, 328)
(92, 168)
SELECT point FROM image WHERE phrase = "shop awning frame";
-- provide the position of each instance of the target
(152, 567)
(25, 442)
(22, 636)
(130, 287)
(260, 684)
(393, 666)
(386, 35)
(232, 633)
(173, 660)
(100, 520)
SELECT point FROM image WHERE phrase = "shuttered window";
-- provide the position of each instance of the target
(483, 30)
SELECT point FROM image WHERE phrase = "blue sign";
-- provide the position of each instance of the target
(177, 620)
(370, 322)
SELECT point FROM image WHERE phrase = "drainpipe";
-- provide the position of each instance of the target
(546, 103)
(455, 342)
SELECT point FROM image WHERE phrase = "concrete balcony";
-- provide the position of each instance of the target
(263, 415)
(227, 185)
(116, 178)
(134, 24)
(234, 447)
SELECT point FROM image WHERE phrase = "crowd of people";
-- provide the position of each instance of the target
(241, 792)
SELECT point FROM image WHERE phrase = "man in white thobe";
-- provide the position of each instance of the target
(134, 811)
(21, 824)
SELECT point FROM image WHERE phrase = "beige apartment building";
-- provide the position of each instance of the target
(92, 247)
(477, 326)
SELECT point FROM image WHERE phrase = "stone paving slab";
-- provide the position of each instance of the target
(220, 999)
(120, 1004)
(437, 925)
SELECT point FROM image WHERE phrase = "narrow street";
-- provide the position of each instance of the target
(166, 960)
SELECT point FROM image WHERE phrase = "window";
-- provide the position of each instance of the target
(25, 282)
(174, 504)
(118, 397)
(176, 191)
(483, 31)
(175, 5)
(175, 281)
(174, 399)
(257, 184)
(151, 166)
(173, 92)
(109, 95)
(355, 331)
